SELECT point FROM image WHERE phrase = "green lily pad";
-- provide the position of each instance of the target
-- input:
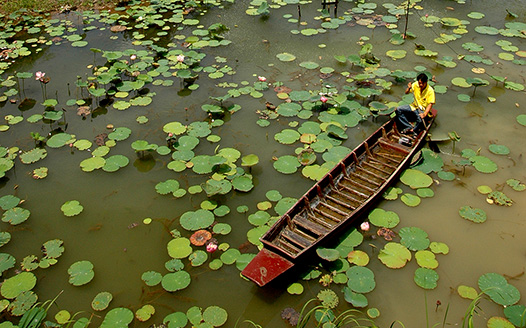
(33, 155)
(179, 248)
(101, 301)
(396, 54)
(120, 134)
(516, 184)
(117, 318)
(92, 163)
(499, 198)
(14, 286)
(71, 208)
(151, 278)
(249, 160)
(416, 179)
(198, 257)
(499, 322)
(7, 261)
(286, 57)
(426, 278)
(414, 238)
(15, 215)
(394, 255)
(115, 162)
(521, 119)
(230, 256)
(439, 248)
(295, 289)
(53, 248)
(145, 312)
(167, 187)
(81, 273)
(499, 149)
(243, 183)
(175, 281)
(5, 237)
(410, 200)
(215, 316)
(58, 140)
(467, 292)
(516, 315)
(360, 258)
(361, 279)
(498, 289)
(287, 164)
(382, 218)
(8, 202)
(476, 215)
(426, 259)
(328, 254)
(356, 299)
(199, 219)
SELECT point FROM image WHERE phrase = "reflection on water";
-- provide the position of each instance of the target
(115, 202)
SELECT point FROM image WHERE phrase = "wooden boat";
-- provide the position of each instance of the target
(336, 201)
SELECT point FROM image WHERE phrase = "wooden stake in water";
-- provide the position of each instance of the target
(406, 19)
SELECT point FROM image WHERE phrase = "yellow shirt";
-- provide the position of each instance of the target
(422, 97)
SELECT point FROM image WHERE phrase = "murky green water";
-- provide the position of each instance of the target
(113, 201)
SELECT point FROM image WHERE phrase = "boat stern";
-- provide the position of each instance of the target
(265, 267)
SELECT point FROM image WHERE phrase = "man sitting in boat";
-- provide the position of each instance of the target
(421, 106)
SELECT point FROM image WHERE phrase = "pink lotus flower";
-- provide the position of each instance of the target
(323, 99)
(180, 58)
(170, 135)
(211, 247)
(365, 226)
(133, 57)
(39, 75)
(262, 78)
(427, 15)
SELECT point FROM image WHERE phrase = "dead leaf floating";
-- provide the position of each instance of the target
(200, 237)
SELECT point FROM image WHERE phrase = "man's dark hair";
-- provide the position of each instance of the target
(422, 77)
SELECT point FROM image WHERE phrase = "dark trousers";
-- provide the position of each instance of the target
(405, 116)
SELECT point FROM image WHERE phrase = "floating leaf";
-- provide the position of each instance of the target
(382, 218)
(80, 273)
(358, 257)
(416, 179)
(438, 248)
(499, 149)
(117, 318)
(175, 281)
(356, 299)
(328, 254)
(215, 316)
(179, 248)
(498, 289)
(15, 215)
(295, 289)
(499, 198)
(426, 278)
(394, 255)
(414, 238)
(516, 184)
(199, 219)
(287, 164)
(33, 155)
(498, 322)
(286, 57)
(476, 215)
(410, 200)
(101, 301)
(8, 202)
(426, 259)
(145, 312)
(14, 286)
(516, 315)
(467, 292)
(71, 208)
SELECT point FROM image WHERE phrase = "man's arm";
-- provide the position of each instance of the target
(428, 109)
(409, 86)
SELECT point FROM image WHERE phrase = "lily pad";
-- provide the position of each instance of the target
(394, 255)
(426, 278)
(499, 149)
(476, 215)
(498, 289)
(14, 286)
(179, 248)
(414, 238)
(33, 155)
(416, 179)
(199, 219)
(101, 301)
(287, 164)
(8, 202)
(71, 208)
(117, 318)
(328, 254)
(358, 257)
(286, 57)
(215, 316)
(382, 218)
(81, 273)
(426, 259)
(15, 215)
(516, 314)
(295, 289)
(175, 281)
(467, 292)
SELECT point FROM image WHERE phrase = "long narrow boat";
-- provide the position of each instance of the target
(336, 201)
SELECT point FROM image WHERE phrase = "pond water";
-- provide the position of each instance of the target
(109, 232)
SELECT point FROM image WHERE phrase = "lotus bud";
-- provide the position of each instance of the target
(323, 99)
(133, 57)
(365, 226)
(262, 78)
(180, 58)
